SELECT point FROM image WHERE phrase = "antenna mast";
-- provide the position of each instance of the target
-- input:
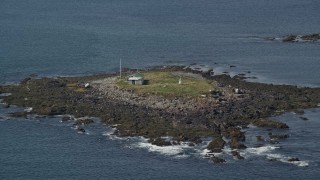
(120, 68)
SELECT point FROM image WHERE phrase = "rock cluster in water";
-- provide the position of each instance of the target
(221, 114)
(298, 38)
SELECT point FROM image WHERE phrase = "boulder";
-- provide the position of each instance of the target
(216, 145)
(215, 159)
(237, 134)
(289, 38)
(235, 144)
(237, 155)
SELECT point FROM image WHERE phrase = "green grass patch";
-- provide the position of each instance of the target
(167, 84)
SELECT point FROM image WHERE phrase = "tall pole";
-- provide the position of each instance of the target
(120, 68)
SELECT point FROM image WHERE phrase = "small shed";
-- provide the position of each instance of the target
(137, 78)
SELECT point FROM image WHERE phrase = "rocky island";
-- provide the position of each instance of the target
(297, 38)
(201, 105)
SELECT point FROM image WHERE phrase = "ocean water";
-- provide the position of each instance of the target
(79, 37)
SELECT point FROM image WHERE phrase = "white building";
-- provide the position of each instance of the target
(136, 79)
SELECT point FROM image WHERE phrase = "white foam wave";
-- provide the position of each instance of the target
(110, 135)
(267, 152)
(182, 156)
(28, 109)
(180, 151)
(206, 153)
(173, 150)
(260, 150)
(286, 159)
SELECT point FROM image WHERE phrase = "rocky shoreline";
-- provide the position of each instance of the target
(221, 114)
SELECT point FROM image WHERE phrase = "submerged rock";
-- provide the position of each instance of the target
(293, 159)
(304, 118)
(81, 130)
(19, 114)
(259, 138)
(278, 136)
(5, 105)
(217, 160)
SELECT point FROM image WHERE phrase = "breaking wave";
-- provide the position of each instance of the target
(287, 159)
(178, 151)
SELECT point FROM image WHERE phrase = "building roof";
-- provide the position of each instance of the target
(136, 77)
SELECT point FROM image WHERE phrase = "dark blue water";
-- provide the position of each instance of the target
(85, 37)
(43, 148)
(79, 37)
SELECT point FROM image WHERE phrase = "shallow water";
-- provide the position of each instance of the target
(78, 37)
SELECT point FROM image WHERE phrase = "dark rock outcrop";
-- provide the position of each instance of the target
(270, 124)
(278, 136)
(304, 118)
(293, 159)
(216, 145)
(217, 160)
(81, 130)
(237, 155)
(51, 111)
(235, 144)
(66, 118)
(83, 121)
(298, 38)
